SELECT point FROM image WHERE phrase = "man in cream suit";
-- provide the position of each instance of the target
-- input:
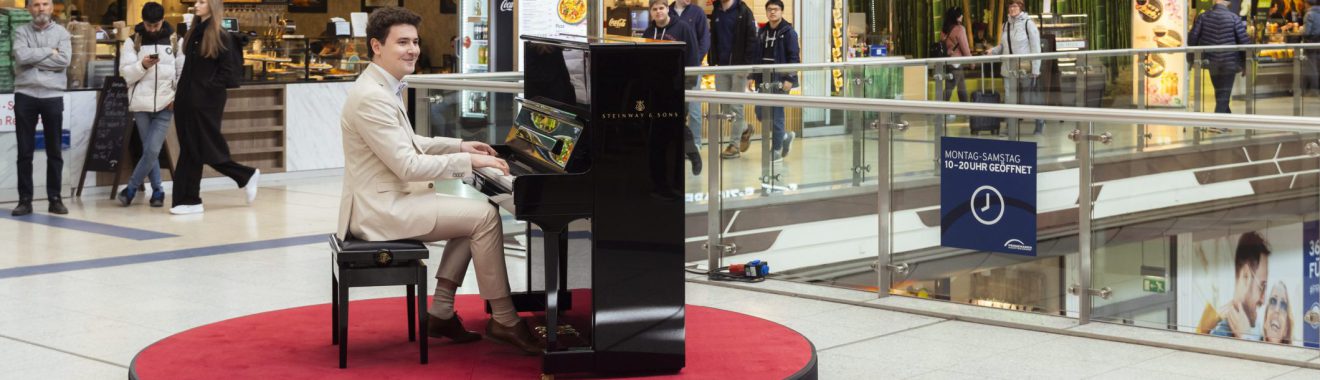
(389, 175)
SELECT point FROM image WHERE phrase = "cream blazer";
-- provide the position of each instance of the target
(389, 171)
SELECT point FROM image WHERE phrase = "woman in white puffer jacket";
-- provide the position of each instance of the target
(1021, 36)
(151, 66)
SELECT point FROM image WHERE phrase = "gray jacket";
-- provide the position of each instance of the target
(1020, 36)
(38, 70)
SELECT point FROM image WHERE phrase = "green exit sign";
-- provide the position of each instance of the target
(1154, 285)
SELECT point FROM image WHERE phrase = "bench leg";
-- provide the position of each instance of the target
(342, 326)
(421, 315)
(334, 309)
(412, 313)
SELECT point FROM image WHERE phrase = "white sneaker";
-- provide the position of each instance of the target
(186, 209)
(251, 187)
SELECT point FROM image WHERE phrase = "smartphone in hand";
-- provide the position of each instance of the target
(154, 56)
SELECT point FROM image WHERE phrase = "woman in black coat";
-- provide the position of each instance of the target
(199, 106)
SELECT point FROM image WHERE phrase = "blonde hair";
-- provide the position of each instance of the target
(213, 42)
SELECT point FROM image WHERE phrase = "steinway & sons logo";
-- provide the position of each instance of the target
(640, 107)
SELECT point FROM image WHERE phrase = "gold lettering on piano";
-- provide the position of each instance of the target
(640, 115)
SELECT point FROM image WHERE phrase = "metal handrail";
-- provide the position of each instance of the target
(1070, 114)
(990, 58)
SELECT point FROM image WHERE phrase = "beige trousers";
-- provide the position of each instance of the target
(472, 229)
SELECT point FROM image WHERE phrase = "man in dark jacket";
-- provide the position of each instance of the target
(694, 16)
(732, 43)
(1220, 26)
(663, 27)
(777, 42)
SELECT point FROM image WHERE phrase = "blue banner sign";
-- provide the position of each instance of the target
(988, 195)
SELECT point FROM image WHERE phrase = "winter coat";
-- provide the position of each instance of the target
(151, 90)
(1218, 27)
(778, 45)
(743, 39)
(199, 104)
(696, 18)
(1312, 26)
(678, 31)
(1020, 36)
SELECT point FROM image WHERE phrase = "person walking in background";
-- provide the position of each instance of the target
(1311, 34)
(151, 69)
(665, 27)
(1021, 36)
(695, 17)
(954, 37)
(733, 43)
(777, 43)
(1217, 27)
(41, 53)
(200, 103)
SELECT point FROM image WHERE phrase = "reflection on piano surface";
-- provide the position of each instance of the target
(598, 136)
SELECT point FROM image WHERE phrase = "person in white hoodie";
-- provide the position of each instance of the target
(1021, 36)
(152, 67)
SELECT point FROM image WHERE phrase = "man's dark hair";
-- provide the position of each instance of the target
(780, 3)
(1250, 249)
(153, 12)
(382, 19)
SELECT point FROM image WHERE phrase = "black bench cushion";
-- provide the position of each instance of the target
(361, 252)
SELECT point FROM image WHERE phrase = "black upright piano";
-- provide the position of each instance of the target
(598, 136)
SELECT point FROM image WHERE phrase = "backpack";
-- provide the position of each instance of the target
(938, 50)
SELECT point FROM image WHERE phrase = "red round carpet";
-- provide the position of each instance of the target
(295, 344)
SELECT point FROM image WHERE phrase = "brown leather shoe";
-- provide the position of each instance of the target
(519, 335)
(451, 328)
(745, 141)
(730, 152)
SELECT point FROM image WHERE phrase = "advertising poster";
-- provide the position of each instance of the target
(1226, 287)
(988, 195)
(1161, 24)
(550, 17)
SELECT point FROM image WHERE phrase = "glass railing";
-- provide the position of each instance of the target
(854, 199)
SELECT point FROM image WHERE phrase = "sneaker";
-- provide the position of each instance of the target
(57, 207)
(158, 199)
(126, 196)
(745, 141)
(778, 157)
(24, 208)
(788, 143)
(730, 152)
(186, 209)
(251, 187)
(950, 118)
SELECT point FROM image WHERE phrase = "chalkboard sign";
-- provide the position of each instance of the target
(111, 128)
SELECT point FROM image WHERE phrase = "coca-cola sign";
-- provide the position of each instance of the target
(506, 6)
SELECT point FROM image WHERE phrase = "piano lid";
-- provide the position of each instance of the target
(585, 42)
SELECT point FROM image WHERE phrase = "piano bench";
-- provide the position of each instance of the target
(356, 263)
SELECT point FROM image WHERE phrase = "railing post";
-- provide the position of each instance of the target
(1250, 72)
(1140, 67)
(1298, 61)
(940, 80)
(884, 181)
(715, 116)
(1084, 225)
(1198, 95)
(856, 122)
(765, 118)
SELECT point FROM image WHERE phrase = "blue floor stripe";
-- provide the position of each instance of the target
(163, 256)
(90, 227)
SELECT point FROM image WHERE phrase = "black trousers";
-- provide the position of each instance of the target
(27, 110)
(188, 177)
(1223, 84)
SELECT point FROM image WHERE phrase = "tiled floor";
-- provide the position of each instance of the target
(72, 310)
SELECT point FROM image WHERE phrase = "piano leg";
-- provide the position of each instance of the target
(556, 246)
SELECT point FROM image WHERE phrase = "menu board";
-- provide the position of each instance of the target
(1160, 24)
(110, 131)
(551, 17)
